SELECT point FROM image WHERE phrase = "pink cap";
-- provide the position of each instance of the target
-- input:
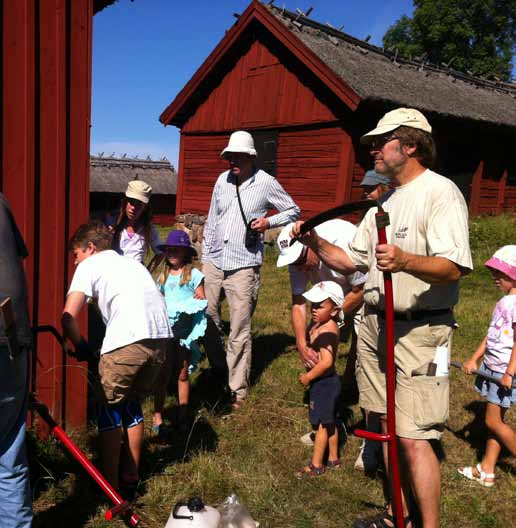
(504, 260)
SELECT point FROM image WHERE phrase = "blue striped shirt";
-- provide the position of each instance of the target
(224, 231)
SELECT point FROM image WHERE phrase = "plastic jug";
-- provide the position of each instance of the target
(193, 514)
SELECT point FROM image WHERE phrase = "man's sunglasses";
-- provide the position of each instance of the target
(379, 142)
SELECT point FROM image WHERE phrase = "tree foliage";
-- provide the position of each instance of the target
(476, 36)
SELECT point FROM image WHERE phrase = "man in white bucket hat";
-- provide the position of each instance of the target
(232, 252)
(427, 253)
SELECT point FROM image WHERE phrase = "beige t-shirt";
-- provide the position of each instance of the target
(429, 217)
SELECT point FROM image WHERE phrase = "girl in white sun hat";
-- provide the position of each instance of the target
(498, 349)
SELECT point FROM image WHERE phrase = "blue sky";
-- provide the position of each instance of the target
(145, 51)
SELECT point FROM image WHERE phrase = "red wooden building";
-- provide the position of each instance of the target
(307, 92)
(44, 155)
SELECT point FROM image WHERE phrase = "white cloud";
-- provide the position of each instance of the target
(135, 148)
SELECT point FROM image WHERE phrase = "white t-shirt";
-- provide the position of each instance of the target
(500, 336)
(428, 217)
(133, 245)
(131, 305)
(340, 233)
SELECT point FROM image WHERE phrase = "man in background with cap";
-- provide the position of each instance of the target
(428, 254)
(374, 185)
(232, 253)
(304, 267)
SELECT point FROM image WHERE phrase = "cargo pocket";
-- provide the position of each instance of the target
(431, 400)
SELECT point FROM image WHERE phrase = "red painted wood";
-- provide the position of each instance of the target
(17, 176)
(45, 167)
(183, 104)
(474, 201)
(78, 137)
(501, 193)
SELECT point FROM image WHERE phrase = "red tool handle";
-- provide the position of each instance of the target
(382, 220)
(121, 506)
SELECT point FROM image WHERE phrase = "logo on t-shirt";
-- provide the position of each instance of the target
(401, 232)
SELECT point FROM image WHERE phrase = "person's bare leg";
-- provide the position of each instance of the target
(183, 393)
(133, 442)
(333, 443)
(320, 444)
(385, 451)
(159, 405)
(425, 476)
(109, 451)
(494, 421)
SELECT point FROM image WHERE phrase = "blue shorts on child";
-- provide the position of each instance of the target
(324, 396)
(493, 392)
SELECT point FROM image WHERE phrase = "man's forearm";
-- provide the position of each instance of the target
(71, 328)
(333, 256)
(299, 324)
(432, 270)
(353, 300)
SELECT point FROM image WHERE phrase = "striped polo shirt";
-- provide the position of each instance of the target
(224, 231)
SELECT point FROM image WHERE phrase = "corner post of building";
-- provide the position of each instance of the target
(474, 202)
(501, 193)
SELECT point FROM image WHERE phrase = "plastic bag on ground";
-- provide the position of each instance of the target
(233, 514)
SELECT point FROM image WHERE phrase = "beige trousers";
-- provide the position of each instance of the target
(240, 288)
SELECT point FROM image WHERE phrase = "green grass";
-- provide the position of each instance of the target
(255, 452)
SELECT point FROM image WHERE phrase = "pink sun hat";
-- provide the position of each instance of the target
(504, 260)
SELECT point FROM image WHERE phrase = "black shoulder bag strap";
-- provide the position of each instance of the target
(240, 202)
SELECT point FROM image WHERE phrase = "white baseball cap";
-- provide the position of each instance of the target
(409, 117)
(139, 190)
(288, 254)
(504, 260)
(326, 290)
(240, 141)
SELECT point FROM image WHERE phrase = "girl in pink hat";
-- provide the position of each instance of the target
(498, 349)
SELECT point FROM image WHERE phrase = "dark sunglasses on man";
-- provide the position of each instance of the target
(380, 141)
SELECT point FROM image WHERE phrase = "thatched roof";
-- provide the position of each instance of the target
(379, 75)
(111, 174)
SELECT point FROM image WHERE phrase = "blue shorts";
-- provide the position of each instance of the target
(324, 396)
(492, 392)
(127, 413)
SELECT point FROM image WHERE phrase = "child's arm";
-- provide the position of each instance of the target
(325, 344)
(508, 377)
(199, 291)
(472, 362)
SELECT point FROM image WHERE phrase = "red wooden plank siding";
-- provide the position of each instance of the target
(46, 79)
(17, 177)
(78, 133)
(309, 166)
(248, 96)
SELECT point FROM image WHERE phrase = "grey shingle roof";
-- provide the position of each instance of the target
(377, 75)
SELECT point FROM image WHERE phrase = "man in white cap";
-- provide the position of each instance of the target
(428, 254)
(304, 267)
(232, 253)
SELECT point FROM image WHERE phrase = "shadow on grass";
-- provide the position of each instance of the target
(266, 348)
(475, 434)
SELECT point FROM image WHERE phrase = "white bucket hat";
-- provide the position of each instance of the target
(240, 141)
(288, 254)
(504, 260)
(409, 117)
(326, 290)
(139, 190)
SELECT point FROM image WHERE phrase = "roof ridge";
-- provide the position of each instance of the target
(299, 20)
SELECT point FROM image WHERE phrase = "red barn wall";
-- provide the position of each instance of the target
(45, 95)
(259, 91)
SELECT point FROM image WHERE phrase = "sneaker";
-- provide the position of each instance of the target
(308, 439)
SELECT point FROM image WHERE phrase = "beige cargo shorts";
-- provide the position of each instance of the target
(422, 402)
(131, 371)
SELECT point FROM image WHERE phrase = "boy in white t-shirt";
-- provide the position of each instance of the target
(133, 349)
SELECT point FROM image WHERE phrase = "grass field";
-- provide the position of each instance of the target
(255, 451)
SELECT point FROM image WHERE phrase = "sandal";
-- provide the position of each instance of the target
(380, 521)
(481, 478)
(334, 464)
(310, 471)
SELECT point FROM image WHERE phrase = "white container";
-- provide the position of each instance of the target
(193, 514)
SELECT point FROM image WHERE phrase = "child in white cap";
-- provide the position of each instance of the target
(498, 349)
(134, 234)
(327, 298)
